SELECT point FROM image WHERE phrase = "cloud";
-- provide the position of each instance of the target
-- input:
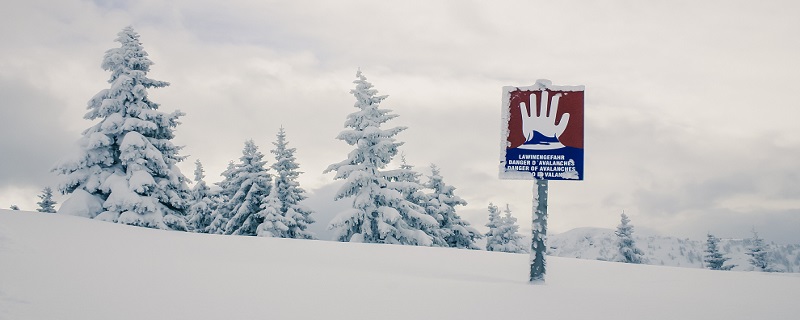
(690, 113)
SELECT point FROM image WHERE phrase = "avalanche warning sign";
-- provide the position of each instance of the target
(542, 132)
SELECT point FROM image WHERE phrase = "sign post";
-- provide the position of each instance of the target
(541, 140)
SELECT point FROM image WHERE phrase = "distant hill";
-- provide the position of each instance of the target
(598, 244)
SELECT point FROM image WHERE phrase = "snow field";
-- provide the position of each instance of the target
(66, 267)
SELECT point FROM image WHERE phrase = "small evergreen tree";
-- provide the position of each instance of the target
(758, 251)
(47, 204)
(288, 193)
(406, 181)
(127, 161)
(510, 233)
(503, 233)
(269, 221)
(253, 184)
(626, 247)
(714, 259)
(220, 215)
(14, 207)
(202, 208)
(456, 232)
(494, 236)
(380, 214)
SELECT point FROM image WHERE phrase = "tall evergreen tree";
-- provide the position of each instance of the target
(288, 192)
(47, 204)
(713, 258)
(127, 160)
(456, 232)
(758, 251)
(253, 184)
(380, 213)
(202, 208)
(626, 247)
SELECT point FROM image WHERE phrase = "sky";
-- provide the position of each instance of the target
(689, 111)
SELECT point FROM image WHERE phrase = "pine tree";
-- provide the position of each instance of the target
(503, 233)
(626, 247)
(220, 215)
(202, 208)
(127, 160)
(380, 214)
(47, 204)
(758, 251)
(714, 259)
(456, 232)
(288, 193)
(494, 236)
(269, 221)
(253, 184)
(510, 233)
(407, 181)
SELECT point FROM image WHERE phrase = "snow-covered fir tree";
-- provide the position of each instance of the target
(252, 183)
(493, 236)
(506, 233)
(127, 161)
(407, 181)
(626, 247)
(47, 204)
(270, 222)
(758, 251)
(442, 202)
(219, 216)
(288, 192)
(379, 214)
(713, 258)
(14, 207)
(203, 205)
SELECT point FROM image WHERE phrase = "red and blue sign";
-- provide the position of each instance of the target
(543, 133)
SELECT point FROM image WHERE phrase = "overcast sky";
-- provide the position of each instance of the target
(691, 107)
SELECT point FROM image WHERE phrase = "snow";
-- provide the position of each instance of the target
(66, 267)
(81, 204)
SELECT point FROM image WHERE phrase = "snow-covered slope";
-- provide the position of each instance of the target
(598, 244)
(66, 267)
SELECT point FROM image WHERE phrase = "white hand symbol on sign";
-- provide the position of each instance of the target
(544, 123)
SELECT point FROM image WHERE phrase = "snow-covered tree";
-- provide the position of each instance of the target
(253, 184)
(269, 221)
(127, 161)
(494, 236)
(713, 258)
(203, 205)
(47, 204)
(503, 232)
(220, 215)
(407, 181)
(288, 192)
(456, 232)
(626, 247)
(14, 207)
(758, 251)
(379, 213)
